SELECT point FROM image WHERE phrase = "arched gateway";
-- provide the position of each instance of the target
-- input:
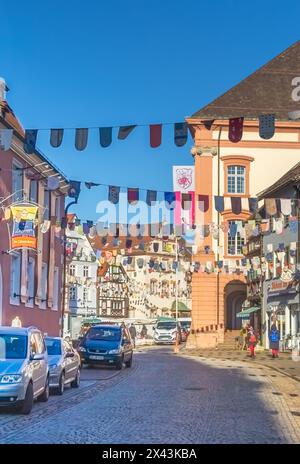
(234, 295)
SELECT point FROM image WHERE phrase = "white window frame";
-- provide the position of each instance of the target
(85, 271)
(55, 289)
(85, 295)
(34, 197)
(72, 270)
(236, 239)
(72, 293)
(235, 176)
(44, 285)
(58, 208)
(15, 279)
(47, 204)
(16, 165)
(30, 281)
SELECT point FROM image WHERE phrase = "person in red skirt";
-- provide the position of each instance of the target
(252, 341)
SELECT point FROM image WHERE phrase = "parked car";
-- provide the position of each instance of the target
(64, 364)
(166, 331)
(24, 370)
(107, 345)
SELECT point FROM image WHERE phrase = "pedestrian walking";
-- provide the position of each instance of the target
(252, 341)
(274, 338)
(132, 331)
(144, 331)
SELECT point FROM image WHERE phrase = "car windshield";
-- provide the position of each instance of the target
(104, 333)
(166, 325)
(13, 346)
(53, 346)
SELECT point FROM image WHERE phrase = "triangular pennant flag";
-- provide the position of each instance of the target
(52, 183)
(113, 194)
(30, 140)
(180, 133)
(124, 131)
(208, 123)
(203, 203)
(81, 139)
(105, 136)
(133, 195)
(151, 197)
(56, 136)
(186, 201)
(235, 131)
(266, 126)
(219, 203)
(5, 139)
(236, 205)
(89, 185)
(253, 204)
(155, 135)
(170, 199)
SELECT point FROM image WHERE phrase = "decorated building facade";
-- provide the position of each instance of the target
(234, 159)
(32, 193)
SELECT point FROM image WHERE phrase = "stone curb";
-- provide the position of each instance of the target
(297, 379)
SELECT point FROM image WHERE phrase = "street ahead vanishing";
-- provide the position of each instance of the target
(166, 398)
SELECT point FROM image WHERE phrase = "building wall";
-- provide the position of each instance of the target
(44, 315)
(265, 160)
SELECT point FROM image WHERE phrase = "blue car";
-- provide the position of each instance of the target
(109, 345)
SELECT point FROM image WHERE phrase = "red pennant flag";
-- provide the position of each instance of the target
(132, 195)
(235, 129)
(155, 135)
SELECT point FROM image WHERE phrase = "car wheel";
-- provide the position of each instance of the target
(28, 400)
(129, 363)
(61, 386)
(76, 381)
(119, 364)
(45, 395)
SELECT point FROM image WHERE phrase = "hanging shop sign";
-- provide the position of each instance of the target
(24, 226)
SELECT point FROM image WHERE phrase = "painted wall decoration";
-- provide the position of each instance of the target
(24, 226)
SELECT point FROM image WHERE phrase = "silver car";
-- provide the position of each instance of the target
(64, 364)
(24, 371)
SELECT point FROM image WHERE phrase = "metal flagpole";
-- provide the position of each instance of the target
(176, 279)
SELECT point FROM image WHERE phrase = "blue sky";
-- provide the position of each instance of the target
(102, 63)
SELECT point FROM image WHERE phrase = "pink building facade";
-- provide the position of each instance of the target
(31, 281)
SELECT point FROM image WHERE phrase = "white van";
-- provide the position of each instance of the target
(165, 331)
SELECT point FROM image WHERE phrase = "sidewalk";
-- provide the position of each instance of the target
(284, 364)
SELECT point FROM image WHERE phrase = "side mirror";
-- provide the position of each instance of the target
(37, 357)
(70, 354)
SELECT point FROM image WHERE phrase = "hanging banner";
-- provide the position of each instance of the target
(23, 233)
(183, 179)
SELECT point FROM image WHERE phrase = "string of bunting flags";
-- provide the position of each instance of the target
(181, 129)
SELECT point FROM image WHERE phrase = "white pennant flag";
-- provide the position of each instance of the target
(5, 139)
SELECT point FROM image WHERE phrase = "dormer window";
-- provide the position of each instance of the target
(236, 179)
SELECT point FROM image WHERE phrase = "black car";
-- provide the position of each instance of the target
(107, 345)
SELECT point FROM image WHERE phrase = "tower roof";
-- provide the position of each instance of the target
(267, 91)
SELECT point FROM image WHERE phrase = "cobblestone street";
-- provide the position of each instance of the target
(167, 398)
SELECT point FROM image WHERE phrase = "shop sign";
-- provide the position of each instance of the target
(24, 226)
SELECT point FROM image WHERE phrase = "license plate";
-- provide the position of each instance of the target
(96, 357)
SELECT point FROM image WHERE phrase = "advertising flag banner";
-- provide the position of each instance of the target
(183, 179)
(23, 233)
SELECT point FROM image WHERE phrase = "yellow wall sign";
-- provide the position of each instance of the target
(23, 233)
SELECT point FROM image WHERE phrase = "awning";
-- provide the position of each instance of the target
(181, 307)
(246, 313)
